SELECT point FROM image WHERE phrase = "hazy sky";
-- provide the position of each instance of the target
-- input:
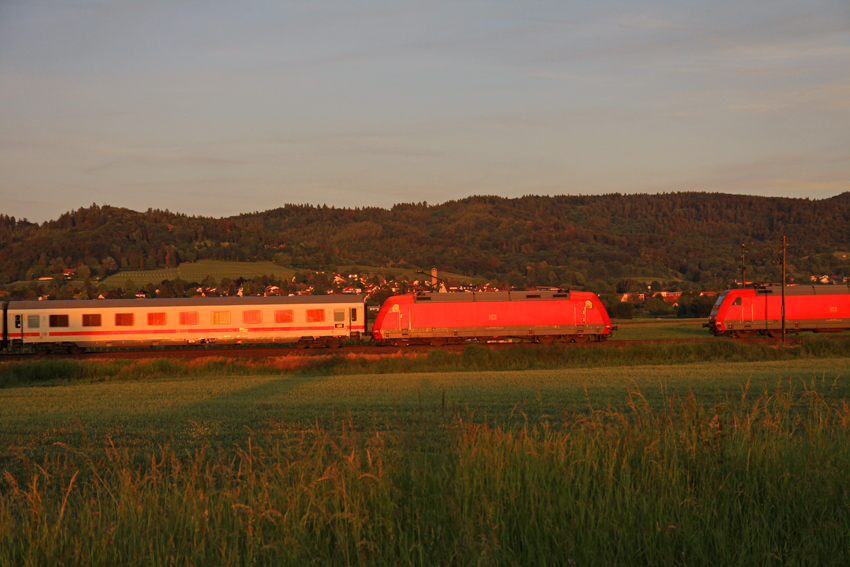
(223, 107)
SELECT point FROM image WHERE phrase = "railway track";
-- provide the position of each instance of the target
(260, 352)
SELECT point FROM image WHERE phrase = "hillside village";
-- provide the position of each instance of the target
(630, 299)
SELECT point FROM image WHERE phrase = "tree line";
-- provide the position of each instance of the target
(609, 244)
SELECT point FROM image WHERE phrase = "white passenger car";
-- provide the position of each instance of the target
(71, 326)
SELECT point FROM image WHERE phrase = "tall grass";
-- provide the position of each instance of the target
(478, 357)
(472, 358)
(756, 479)
(53, 371)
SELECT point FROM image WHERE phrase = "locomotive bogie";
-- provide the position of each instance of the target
(68, 326)
(542, 317)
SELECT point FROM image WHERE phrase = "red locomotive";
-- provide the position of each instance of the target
(746, 312)
(539, 316)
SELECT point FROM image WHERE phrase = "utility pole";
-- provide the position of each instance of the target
(783, 290)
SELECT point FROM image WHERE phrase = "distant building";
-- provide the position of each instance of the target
(670, 296)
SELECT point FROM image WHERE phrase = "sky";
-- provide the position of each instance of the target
(217, 108)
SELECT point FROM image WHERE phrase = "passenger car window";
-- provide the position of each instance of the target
(33, 321)
(283, 316)
(58, 320)
(156, 318)
(339, 315)
(124, 319)
(189, 318)
(220, 317)
(315, 315)
(252, 316)
(91, 320)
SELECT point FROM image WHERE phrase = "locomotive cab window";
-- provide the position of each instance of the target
(588, 304)
(58, 320)
(91, 320)
(33, 321)
(737, 301)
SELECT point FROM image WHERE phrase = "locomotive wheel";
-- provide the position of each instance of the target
(581, 338)
(742, 334)
(438, 341)
(774, 333)
(546, 339)
(401, 342)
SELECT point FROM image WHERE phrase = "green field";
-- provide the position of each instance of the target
(727, 463)
(197, 271)
(218, 270)
(659, 329)
(174, 409)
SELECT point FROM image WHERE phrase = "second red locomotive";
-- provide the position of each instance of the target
(746, 312)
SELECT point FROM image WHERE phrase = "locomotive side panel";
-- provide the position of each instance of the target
(818, 312)
(491, 316)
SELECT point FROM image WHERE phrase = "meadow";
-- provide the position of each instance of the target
(219, 269)
(197, 271)
(660, 329)
(740, 460)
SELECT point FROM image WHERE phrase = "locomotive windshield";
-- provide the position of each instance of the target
(716, 307)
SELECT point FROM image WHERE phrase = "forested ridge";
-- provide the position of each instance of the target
(575, 241)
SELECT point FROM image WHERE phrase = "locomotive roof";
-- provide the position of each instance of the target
(188, 302)
(492, 296)
(804, 290)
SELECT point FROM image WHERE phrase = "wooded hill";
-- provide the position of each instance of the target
(686, 241)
